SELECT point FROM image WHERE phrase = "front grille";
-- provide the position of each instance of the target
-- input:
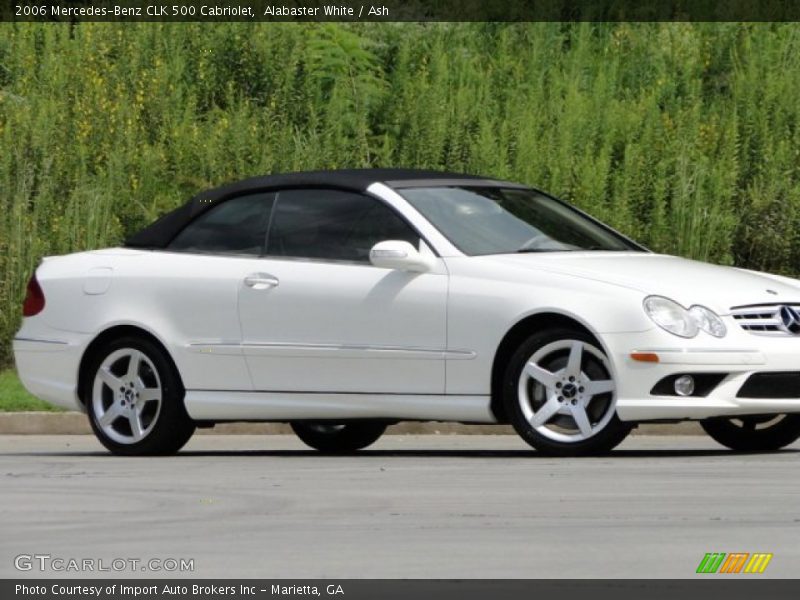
(763, 319)
(771, 385)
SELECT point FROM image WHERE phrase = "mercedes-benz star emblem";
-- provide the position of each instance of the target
(790, 319)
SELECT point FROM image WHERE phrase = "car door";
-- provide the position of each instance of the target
(199, 276)
(316, 316)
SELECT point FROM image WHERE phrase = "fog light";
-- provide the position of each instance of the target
(684, 385)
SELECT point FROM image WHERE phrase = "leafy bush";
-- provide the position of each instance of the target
(684, 136)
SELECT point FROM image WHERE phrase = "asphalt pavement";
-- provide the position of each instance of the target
(446, 506)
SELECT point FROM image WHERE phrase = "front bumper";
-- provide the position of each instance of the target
(738, 356)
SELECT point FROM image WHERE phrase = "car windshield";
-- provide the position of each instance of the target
(487, 220)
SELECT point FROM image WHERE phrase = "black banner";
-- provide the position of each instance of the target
(398, 10)
(365, 589)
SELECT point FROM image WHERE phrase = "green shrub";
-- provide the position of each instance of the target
(684, 136)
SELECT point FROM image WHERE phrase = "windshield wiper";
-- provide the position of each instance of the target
(533, 250)
(589, 249)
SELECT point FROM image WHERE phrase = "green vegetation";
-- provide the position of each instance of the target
(14, 397)
(684, 136)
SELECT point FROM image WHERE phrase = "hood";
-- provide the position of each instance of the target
(685, 281)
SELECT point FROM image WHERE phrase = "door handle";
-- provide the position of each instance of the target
(261, 281)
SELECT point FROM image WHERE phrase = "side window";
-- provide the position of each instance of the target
(236, 226)
(333, 225)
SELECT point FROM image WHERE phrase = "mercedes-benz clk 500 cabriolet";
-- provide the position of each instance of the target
(344, 301)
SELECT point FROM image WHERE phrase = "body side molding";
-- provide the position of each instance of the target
(283, 406)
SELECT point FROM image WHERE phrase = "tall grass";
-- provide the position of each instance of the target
(684, 136)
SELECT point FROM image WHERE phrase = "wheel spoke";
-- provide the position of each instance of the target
(148, 394)
(133, 365)
(137, 431)
(108, 417)
(575, 359)
(593, 388)
(543, 415)
(543, 376)
(582, 420)
(111, 380)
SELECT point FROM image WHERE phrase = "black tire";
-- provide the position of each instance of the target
(754, 433)
(169, 428)
(341, 438)
(601, 441)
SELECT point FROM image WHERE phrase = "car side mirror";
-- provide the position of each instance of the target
(395, 254)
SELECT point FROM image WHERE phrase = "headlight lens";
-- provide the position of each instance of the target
(671, 316)
(708, 321)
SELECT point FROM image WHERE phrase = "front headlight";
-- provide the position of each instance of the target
(672, 317)
(708, 321)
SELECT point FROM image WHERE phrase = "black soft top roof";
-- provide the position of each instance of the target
(160, 233)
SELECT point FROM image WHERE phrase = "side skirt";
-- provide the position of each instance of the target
(215, 405)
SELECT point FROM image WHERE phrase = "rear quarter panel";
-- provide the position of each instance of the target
(178, 298)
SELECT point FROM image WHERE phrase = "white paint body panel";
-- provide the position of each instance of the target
(335, 340)
(273, 406)
(331, 327)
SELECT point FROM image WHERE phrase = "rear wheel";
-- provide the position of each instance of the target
(339, 437)
(561, 396)
(754, 433)
(135, 400)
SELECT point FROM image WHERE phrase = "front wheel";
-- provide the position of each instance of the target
(754, 433)
(560, 395)
(339, 437)
(135, 400)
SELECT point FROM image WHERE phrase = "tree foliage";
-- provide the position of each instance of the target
(684, 136)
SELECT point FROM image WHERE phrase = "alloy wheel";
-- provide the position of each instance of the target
(566, 391)
(126, 396)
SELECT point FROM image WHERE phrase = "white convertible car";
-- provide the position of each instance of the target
(344, 301)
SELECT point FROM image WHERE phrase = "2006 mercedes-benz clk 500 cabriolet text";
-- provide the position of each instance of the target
(344, 301)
